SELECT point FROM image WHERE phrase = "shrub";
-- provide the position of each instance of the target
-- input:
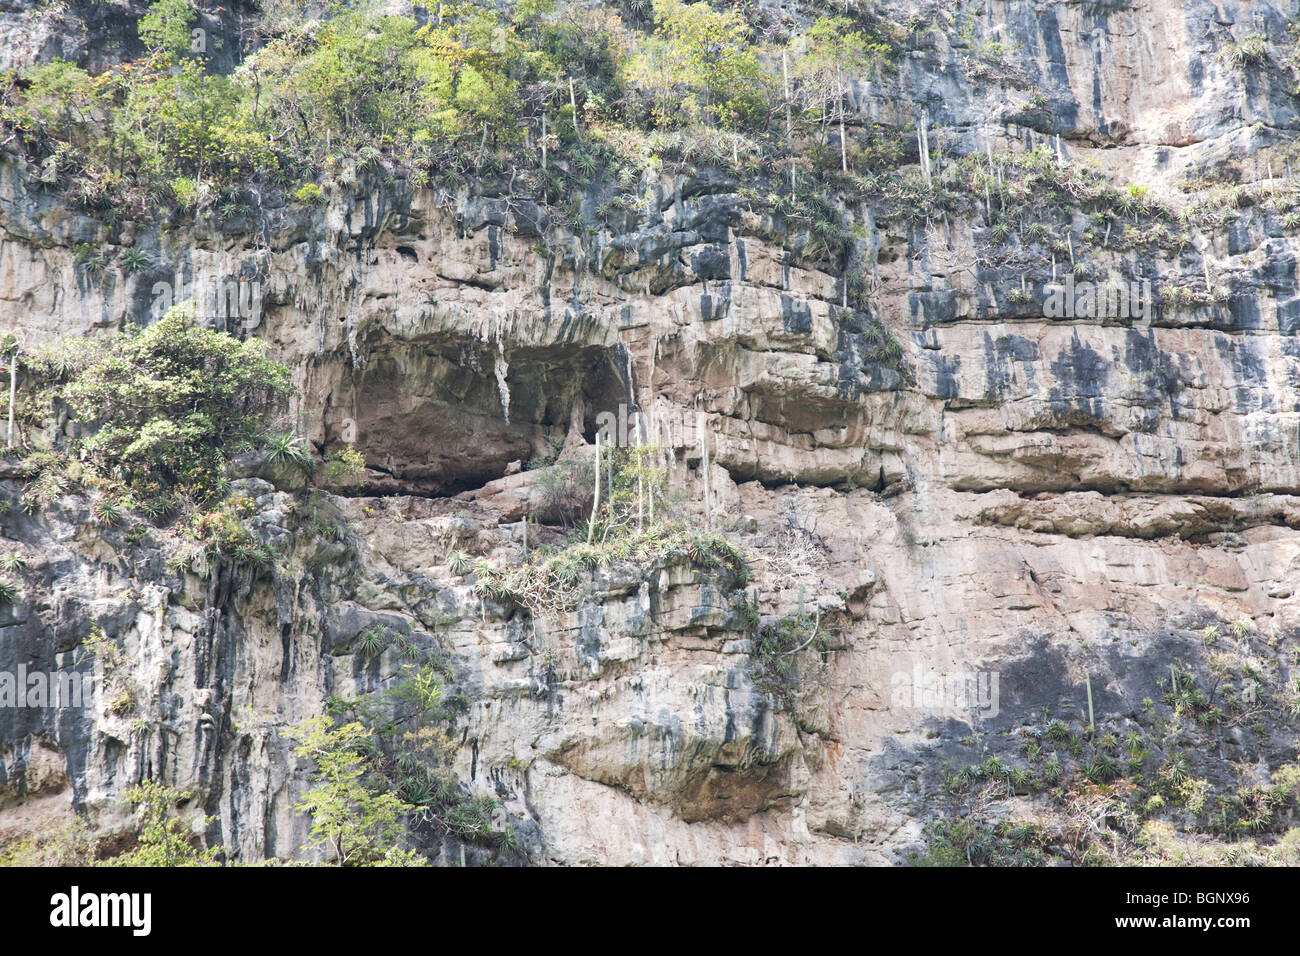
(309, 194)
(224, 533)
(163, 841)
(344, 469)
(701, 66)
(172, 402)
(166, 27)
(185, 191)
(355, 824)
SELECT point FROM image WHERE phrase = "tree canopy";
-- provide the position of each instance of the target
(172, 401)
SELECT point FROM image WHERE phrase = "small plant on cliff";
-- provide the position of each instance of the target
(309, 194)
(287, 450)
(777, 645)
(1251, 51)
(8, 592)
(344, 470)
(135, 261)
(222, 533)
(373, 641)
(98, 644)
(107, 511)
(564, 485)
(553, 582)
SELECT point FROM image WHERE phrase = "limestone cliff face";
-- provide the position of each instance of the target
(1061, 504)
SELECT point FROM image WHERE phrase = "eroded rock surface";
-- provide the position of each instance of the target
(1045, 500)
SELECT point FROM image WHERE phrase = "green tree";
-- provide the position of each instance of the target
(465, 64)
(184, 122)
(357, 825)
(709, 52)
(829, 54)
(163, 840)
(166, 27)
(173, 401)
(355, 78)
(59, 100)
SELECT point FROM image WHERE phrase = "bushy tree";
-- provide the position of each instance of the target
(467, 60)
(345, 470)
(357, 825)
(163, 840)
(172, 401)
(59, 100)
(165, 28)
(710, 69)
(355, 76)
(828, 55)
(184, 122)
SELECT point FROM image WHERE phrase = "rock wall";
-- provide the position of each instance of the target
(1064, 504)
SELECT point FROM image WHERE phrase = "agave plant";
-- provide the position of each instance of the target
(1051, 771)
(368, 156)
(887, 351)
(108, 511)
(458, 562)
(155, 507)
(484, 579)
(135, 261)
(1058, 730)
(417, 791)
(587, 163)
(287, 449)
(373, 640)
(13, 561)
(507, 839)
(408, 762)
(8, 592)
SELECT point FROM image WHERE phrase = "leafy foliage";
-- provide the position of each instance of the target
(344, 470)
(554, 581)
(163, 840)
(475, 86)
(172, 402)
(356, 824)
(701, 65)
(166, 27)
